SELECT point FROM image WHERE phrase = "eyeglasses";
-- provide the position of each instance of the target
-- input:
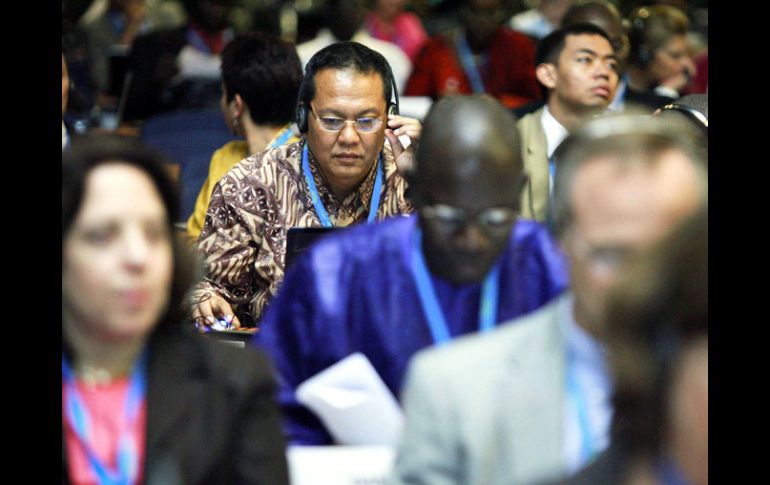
(335, 124)
(494, 219)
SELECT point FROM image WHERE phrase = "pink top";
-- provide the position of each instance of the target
(106, 408)
(407, 32)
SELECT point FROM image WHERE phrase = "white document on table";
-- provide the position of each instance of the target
(340, 465)
(353, 403)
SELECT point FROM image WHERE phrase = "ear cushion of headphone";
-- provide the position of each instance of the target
(300, 117)
(643, 55)
(637, 35)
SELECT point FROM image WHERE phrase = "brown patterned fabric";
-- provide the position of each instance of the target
(243, 241)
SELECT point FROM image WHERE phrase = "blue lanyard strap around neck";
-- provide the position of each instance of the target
(195, 40)
(430, 306)
(282, 138)
(670, 474)
(551, 174)
(469, 64)
(575, 395)
(77, 415)
(320, 210)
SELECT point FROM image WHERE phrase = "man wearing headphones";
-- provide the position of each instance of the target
(530, 401)
(341, 172)
(660, 65)
(387, 290)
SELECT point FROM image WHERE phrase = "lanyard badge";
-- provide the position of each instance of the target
(78, 417)
(429, 301)
(320, 210)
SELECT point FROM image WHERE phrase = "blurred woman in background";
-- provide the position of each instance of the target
(660, 60)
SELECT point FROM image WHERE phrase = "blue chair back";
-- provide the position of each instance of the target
(189, 138)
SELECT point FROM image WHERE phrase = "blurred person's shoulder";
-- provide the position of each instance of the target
(477, 354)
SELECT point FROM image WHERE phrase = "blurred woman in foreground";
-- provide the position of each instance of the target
(143, 401)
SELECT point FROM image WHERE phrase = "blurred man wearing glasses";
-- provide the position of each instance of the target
(387, 290)
(530, 402)
(340, 173)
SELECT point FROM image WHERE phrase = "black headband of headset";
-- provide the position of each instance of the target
(690, 112)
(303, 108)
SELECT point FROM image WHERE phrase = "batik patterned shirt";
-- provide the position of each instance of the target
(243, 241)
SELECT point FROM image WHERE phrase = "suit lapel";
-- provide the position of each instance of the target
(536, 163)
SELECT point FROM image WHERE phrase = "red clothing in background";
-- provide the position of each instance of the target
(700, 83)
(406, 32)
(509, 76)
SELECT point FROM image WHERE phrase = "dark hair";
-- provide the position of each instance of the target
(266, 72)
(633, 139)
(209, 15)
(91, 151)
(345, 55)
(549, 48)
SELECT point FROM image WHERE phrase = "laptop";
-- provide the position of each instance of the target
(300, 238)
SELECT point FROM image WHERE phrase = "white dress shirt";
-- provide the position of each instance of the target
(555, 133)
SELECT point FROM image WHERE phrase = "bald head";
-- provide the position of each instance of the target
(467, 185)
(469, 136)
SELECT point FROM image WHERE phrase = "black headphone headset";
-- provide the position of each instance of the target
(640, 52)
(303, 105)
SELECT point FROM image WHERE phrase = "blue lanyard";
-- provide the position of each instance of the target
(283, 137)
(469, 65)
(78, 417)
(430, 306)
(195, 40)
(320, 210)
(669, 473)
(551, 174)
(587, 449)
(117, 22)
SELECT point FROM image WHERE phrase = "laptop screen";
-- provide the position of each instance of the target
(300, 238)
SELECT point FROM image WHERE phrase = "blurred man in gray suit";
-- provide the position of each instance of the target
(529, 402)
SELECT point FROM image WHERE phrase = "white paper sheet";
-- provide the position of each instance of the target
(353, 402)
(340, 465)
